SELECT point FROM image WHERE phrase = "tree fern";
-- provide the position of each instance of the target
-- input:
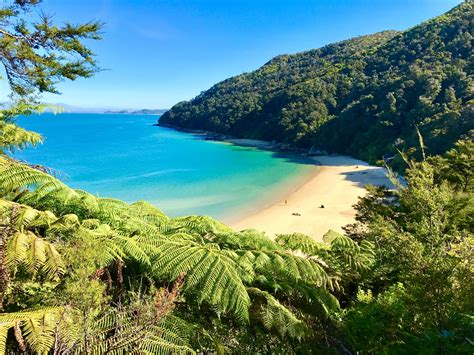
(149, 212)
(284, 264)
(299, 242)
(15, 176)
(37, 327)
(14, 137)
(200, 225)
(321, 300)
(16, 215)
(337, 252)
(210, 274)
(276, 317)
(171, 336)
(356, 256)
(142, 326)
(114, 245)
(247, 239)
(25, 248)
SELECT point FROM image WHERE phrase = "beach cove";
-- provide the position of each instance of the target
(241, 182)
(127, 157)
(323, 202)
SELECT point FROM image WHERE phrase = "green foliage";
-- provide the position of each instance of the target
(37, 328)
(16, 177)
(366, 97)
(457, 165)
(144, 325)
(12, 136)
(419, 289)
(36, 54)
(211, 275)
(299, 242)
(276, 317)
(34, 254)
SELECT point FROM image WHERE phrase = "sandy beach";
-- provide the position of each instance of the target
(337, 184)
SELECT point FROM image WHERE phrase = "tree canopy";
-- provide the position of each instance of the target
(36, 54)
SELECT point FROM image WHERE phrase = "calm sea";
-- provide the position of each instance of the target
(126, 157)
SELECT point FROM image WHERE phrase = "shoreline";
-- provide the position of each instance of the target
(337, 183)
(273, 146)
(273, 197)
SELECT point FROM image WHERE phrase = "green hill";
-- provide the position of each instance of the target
(363, 97)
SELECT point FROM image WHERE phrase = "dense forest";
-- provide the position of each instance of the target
(81, 274)
(363, 97)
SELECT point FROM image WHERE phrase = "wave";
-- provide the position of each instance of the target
(136, 177)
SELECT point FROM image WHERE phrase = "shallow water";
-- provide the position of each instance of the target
(126, 157)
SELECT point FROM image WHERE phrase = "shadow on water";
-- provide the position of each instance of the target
(294, 158)
(289, 156)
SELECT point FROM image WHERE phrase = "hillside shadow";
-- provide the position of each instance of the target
(364, 177)
(294, 158)
(340, 161)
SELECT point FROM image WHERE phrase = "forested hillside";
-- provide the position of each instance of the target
(363, 97)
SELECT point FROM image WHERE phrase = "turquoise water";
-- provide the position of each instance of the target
(126, 157)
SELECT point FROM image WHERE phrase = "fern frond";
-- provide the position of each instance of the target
(4, 328)
(17, 249)
(171, 336)
(14, 137)
(15, 176)
(299, 242)
(149, 212)
(34, 254)
(125, 330)
(286, 264)
(276, 317)
(53, 265)
(156, 345)
(247, 239)
(37, 326)
(358, 257)
(19, 216)
(132, 249)
(210, 274)
(200, 225)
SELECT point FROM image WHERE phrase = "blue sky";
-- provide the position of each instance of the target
(157, 53)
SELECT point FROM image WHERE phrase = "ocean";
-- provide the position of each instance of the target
(127, 157)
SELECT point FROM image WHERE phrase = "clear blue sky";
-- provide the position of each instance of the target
(160, 52)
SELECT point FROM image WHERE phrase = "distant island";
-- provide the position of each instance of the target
(144, 111)
(62, 107)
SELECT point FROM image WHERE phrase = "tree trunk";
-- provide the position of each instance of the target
(19, 337)
(6, 230)
(4, 276)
